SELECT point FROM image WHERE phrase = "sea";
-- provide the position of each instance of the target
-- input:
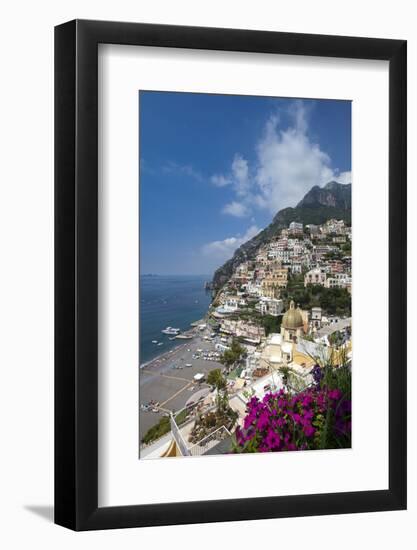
(169, 300)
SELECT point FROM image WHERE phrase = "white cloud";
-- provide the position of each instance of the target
(184, 169)
(223, 250)
(219, 180)
(344, 177)
(237, 209)
(288, 164)
(240, 171)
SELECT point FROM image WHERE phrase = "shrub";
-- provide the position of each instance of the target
(157, 431)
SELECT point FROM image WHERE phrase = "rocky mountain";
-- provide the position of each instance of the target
(317, 206)
(332, 194)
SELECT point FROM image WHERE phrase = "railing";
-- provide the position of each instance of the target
(178, 437)
(208, 441)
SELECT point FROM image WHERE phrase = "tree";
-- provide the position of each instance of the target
(215, 378)
(228, 359)
(270, 323)
(347, 248)
(336, 338)
(233, 355)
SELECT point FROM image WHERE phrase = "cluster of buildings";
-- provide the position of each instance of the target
(319, 253)
(261, 372)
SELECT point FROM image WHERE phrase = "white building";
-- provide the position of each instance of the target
(229, 306)
(270, 306)
(315, 277)
(296, 267)
(295, 226)
(316, 314)
(254, 288)
(338, 280)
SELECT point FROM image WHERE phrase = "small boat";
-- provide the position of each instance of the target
(154, 341)
(160, 344)
(170, 331)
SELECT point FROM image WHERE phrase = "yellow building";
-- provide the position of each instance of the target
(274, 281)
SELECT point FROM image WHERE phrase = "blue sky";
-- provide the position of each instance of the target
(215, 169)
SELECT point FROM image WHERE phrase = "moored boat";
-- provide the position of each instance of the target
(170, 331)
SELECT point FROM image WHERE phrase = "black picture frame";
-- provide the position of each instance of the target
(76, 272)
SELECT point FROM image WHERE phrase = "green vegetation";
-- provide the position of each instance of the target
(295, 284)
(215, 378)
(334, 255)
(336, 338)
(346, 248)
(181, 417)
(157, 431)
(284, 372)
(268, 322)
(338, 378)
(233, 355)
(332, 300)
(300, 417)
(164, 426)
(235, 373)
(315, 214)
(224, 415)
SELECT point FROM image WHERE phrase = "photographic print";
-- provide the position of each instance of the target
(245, 274)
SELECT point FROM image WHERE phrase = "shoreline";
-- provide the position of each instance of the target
(162, 304)
(168, 379)
(182, 343)
(164, 355)
(193, 331)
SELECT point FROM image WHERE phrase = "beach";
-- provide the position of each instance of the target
(168, 300)
(177, 301)
(172, 387)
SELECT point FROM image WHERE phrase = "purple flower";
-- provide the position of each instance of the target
(334, 394)
(297, 418)
(273, 424)
(309, 430)
(281, 422)
(263, 421)
(272, 439)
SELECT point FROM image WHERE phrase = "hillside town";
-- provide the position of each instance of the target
(279, 329)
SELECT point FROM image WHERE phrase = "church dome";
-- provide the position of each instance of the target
(292, 318)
